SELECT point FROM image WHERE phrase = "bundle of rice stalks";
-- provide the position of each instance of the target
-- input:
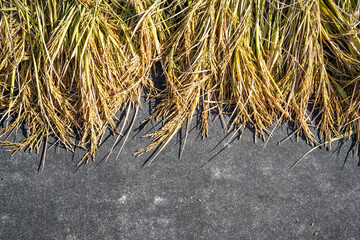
(67, 67)
(210, 65)
(262, 62)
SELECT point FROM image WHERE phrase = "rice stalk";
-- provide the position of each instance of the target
(262, 62)
(67, 67)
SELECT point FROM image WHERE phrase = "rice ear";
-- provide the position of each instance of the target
(262, 62)
(68, 67)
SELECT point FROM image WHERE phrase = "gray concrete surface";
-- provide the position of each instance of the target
(244, 192)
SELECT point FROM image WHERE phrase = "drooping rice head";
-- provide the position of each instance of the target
(216, 63)
(262, 62)
(324, 46)
(341, 34)
(67, 67)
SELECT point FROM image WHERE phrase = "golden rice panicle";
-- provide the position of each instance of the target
(211, 64)
(263, 62)
(67, 67)
(340, 27)
(70, 65)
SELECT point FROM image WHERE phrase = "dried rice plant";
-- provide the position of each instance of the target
(67, 67)
(262, 62)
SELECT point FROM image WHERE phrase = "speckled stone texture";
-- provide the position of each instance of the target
(245, 191)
